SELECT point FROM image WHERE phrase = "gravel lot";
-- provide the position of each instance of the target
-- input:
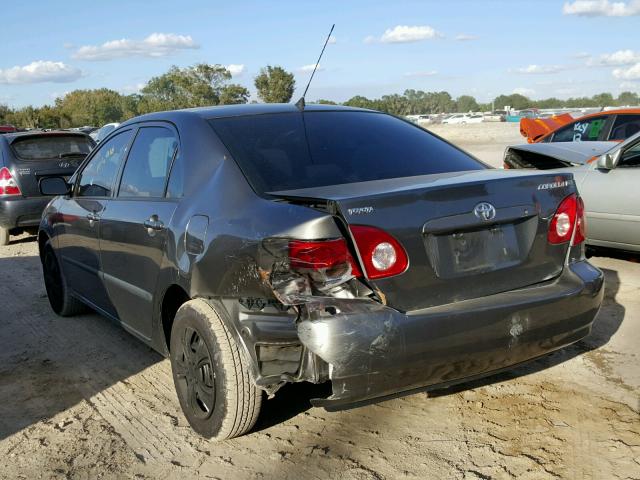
(80, 398)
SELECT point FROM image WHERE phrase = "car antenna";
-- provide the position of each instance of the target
(301, 103)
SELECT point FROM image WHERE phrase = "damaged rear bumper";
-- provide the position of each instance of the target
(375, 351)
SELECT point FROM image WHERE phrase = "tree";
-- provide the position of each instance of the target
(322, 101)
(275, 85)
(89, 107)
(628, 98)
(196, 86)
(466, 103)
(233, 94)
(514, 100)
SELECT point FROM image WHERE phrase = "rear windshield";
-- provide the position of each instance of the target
(48, 147)
(288, 151)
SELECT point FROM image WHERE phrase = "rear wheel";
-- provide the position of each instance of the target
(60, 300)
(211, 374)
(4, 236)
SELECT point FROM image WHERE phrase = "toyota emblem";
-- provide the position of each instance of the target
(485, 211)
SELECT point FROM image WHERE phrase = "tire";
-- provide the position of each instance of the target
(62, 303)
(4, 236)
(211, 374)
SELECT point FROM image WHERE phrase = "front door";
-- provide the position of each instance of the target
(80, 217)
(135, 227)
(612, 202)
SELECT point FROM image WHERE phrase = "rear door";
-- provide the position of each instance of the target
(43, 155)
(612, 202)
(135, 225)
(80, 215)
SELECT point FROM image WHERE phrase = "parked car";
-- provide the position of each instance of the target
(7, 129)
(607, 175)
(463, 118)
(101, 133)
(257, 245)
(518, 116)
(26, 158)
(618, 124)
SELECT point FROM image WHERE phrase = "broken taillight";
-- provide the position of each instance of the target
(8, 185)
(568, 217)
(322, 256)
(381, 254)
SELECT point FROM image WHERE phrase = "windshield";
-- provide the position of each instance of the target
(48, 147)
(289, 151)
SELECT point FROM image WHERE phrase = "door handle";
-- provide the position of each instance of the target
(93, 217)
(153, 225)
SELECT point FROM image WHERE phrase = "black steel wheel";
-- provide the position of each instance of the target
(211, 373)
(194, 374)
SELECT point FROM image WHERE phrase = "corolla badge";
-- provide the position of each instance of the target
(485, 211)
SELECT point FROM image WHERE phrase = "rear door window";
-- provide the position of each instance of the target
(293, 150)
(624, 127)
(147, 168)
(98, 176)
(52, 147)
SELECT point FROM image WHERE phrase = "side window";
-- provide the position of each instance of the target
(98, 176)
(145, 173)
(581, 130)
(175, 188)
(631, 156)
(625, 126)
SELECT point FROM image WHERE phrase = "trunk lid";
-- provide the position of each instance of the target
(453, 253)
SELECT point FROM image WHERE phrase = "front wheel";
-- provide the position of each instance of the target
(211, 374)
(60, 299)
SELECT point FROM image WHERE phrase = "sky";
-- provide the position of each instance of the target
(538, 48)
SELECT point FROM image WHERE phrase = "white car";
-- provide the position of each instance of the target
(462, 118)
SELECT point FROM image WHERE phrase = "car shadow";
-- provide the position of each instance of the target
(48, 363)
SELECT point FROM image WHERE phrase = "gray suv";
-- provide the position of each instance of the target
(257, 245)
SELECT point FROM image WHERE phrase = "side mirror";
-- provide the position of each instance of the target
(54, 186)
(609, 161)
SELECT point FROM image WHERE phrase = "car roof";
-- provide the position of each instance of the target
(223, 111)
(617, 111)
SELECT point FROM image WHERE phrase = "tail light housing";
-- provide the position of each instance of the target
(381, 254)
(328, 257)
(8, 185)
(569, 217)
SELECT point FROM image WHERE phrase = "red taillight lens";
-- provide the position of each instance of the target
(8, 185)
(381, 254)
(321, 255)
(581, 225)
(568, 217)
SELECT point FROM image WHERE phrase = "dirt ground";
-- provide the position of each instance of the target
(80, 398)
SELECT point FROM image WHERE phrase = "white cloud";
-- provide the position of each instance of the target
(406, 33)
(464, 37)
(369, 39)
(332, 40)
(155, 45)
(129, 89)
(39, 72)
(630, 85)
(631, 73)
(309, 68)
(524, 91)
(621, 57)
(429, 73)
(540, 69)
(235, 69)
(602, 8)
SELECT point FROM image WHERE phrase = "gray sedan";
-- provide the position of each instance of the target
(607, 175)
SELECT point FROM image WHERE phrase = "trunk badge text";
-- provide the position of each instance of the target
(485, 211)
(360, 210)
